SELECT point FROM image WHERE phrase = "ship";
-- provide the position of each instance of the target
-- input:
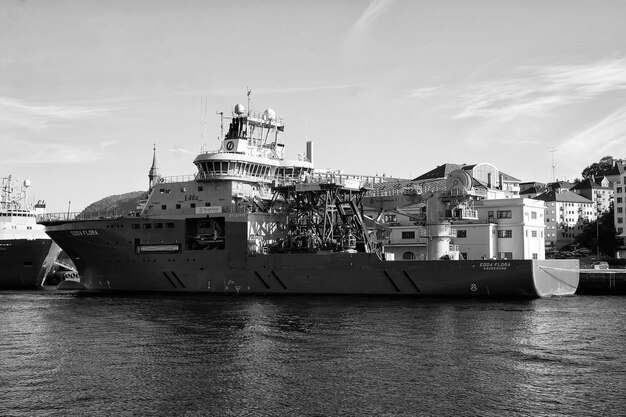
(26, 253)
(251, 221)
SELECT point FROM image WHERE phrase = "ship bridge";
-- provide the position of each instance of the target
(251, 151)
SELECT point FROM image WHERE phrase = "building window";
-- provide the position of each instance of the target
(505, 233)
(534, 233)
(408, 235)
(504, 214)
(408, 256)
(619, 189)
(193, 205)
(619, 200)
(177, 206)
(620, 220)
(533, 214)
(461, 233)
(535, 256)
(619, 209)
(164, 207)
(505, 255)
(200, 188)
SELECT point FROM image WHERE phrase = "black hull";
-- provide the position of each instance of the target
(602, 283)
(107, 260)
(24, 263)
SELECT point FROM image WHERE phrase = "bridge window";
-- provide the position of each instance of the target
(408, 235)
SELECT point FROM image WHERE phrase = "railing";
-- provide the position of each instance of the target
(176, 178)
(74, 216)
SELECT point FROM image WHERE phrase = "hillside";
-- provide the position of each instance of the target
(117, 203)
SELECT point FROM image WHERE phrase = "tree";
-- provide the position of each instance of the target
(601, 234)
(599, 168)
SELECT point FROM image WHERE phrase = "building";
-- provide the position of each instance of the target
(461, 222)
(600, 191)
(617, 175)
(531, 189)
(486, 177)
(508, 228)
(565, 217)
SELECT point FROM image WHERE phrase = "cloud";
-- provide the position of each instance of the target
(423, 92)
(369, 16)
(537, 90)
(605, 137)
(357, 32)
(240, 92)
(20, 114)
(27, 152)
(180, 150)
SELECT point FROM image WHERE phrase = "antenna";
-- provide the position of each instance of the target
(553, 165)
(221, 113)
(249, 92)
(203, 120)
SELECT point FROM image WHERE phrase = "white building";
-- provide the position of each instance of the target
(566, 216)
(618, 177)
(509, 228)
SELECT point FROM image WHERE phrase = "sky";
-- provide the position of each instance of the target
(87, 88)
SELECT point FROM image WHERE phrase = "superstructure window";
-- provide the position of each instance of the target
(134, 226)
(147, 226)
(169, 225)
(408, 235)
(163, 206)
(461, 233)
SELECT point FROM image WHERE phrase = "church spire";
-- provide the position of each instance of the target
(153, 175)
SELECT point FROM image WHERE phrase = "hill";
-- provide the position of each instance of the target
(122, 203)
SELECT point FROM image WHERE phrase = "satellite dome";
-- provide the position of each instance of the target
(26, 183)
(240, 109)
(269, 114)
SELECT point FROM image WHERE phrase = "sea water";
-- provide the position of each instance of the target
(65, 354)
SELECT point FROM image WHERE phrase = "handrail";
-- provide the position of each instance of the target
(71, 216)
